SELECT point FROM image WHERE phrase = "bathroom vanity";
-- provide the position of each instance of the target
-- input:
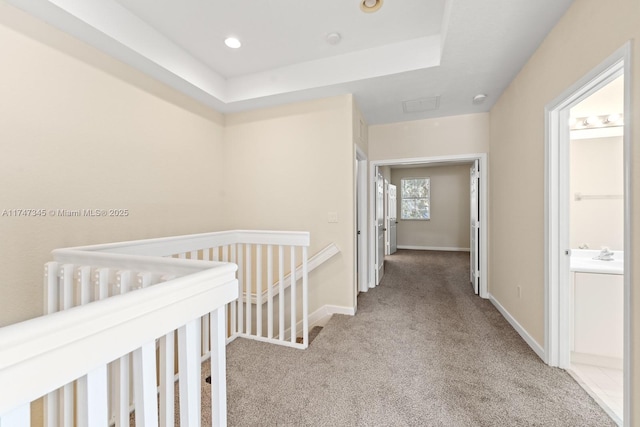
(597, 293)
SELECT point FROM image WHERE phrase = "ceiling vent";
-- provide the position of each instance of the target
(422, 104)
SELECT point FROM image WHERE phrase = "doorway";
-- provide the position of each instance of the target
(573, 294)
(481, 158)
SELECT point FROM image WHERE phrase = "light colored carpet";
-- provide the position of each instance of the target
(422, 350)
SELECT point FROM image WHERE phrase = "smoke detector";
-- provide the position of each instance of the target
(479, 98)
(333, 38)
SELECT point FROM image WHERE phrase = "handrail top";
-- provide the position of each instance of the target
(163, 246)
(139, 263)
(16, 337)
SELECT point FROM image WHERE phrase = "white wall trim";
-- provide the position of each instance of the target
(535, 346)
(321, 316)
(433, 248)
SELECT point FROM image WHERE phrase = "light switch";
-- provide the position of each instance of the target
(333, 217)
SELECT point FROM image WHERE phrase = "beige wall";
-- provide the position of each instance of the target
(77, 132)
(597, 169)
(449, 226)
(287, 168)
(444, 136)
(583, 38)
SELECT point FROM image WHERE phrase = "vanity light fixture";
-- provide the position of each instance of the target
(232, 43)
(612, 118)
(592, 122)
(370, 6)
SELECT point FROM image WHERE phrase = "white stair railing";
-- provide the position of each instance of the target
(268, 307)
(271, 305)
(77, 345)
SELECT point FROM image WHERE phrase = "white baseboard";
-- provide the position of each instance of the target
(433, 248)
(321, 316)
(537, 348)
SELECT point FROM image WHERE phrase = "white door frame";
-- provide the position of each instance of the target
(379, 226)
(419, 161)
(556, 220)
(362, 221)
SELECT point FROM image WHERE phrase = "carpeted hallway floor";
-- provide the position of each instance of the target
(421, 351)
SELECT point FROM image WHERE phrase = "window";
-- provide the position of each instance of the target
(415, 194)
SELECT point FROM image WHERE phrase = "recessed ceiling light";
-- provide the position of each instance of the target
(370, 6)
(232, 42)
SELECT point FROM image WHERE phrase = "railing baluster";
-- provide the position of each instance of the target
(101, 292)
(193, 255)
(66, 276)
(51, 287)
(233, 304)
(281, 291)
(121, 367)
(270, 291)
(218, 369)
(144, 372)
(305, 297)
(84, 279)
(292, 290)
(167, 369)
(241, 289)
(93, 399)
(259, 290)
(248, 287)
(144, 280)
(189, 369)
(206, 346)
(102, 283)
(51, 298)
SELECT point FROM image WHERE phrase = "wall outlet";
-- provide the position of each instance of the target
(332, 217)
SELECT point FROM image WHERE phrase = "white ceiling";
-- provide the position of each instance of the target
(407, 50)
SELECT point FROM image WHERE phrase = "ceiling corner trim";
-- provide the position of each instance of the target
(394, 58)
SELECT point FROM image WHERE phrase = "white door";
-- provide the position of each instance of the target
(474, 242)
(379, 228)
(392, 220)
(362, 236)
